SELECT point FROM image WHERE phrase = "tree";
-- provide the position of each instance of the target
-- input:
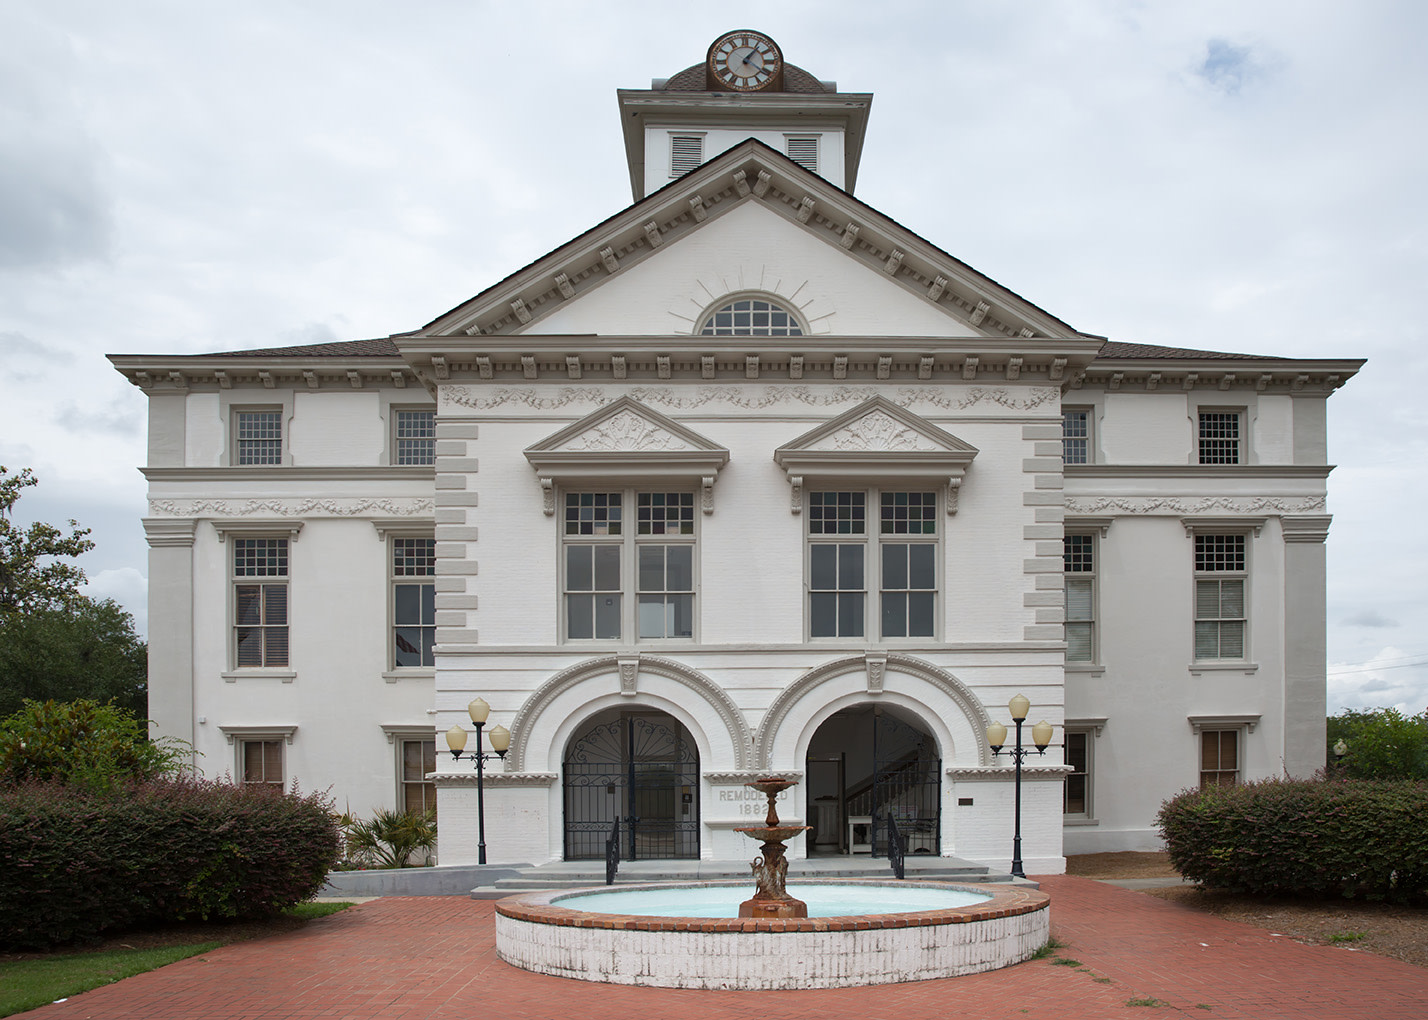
(85, 650)
(82, 743)
(1382, 743)
(27, 581)
(55, 642)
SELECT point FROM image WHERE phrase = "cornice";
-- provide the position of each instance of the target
(290, 473)
(1199, 471)
(175, 373)
(846, 109)
(493, 778)
(1227, 375)
(683, 358)
(1007, 772)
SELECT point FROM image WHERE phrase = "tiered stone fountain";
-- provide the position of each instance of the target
(770, 898)
(643, 934)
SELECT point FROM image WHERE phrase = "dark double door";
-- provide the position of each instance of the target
(642, 770)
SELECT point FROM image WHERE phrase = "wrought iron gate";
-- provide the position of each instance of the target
(911, 790)
(642, 770)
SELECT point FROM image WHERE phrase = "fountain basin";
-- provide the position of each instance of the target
(549, 933)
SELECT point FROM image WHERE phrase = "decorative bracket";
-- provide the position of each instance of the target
(954, 486)
(629, 666)
(877, 665)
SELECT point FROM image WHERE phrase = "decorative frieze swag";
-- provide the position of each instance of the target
(1178, 506)
(298, 507)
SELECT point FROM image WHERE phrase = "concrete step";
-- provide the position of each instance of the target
(581, 874)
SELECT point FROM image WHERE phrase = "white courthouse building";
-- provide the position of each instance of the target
(746, 478)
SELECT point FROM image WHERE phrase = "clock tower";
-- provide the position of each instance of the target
(743, 89)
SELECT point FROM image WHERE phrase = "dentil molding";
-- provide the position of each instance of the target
(752, 398)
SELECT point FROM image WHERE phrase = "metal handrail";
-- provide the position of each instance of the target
(612, 853)
(897, 849)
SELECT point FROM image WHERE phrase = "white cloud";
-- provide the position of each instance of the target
(126, 586)
(1390, 678)
(1221, 175)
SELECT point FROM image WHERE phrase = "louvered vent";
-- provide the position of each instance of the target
(804, 152)
(685, 153)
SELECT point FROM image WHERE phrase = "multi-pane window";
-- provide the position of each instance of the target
(602, 555)
(413, 601)
(1076, 799)
(1219, 597)
(751, 317)
(905, 549)
(260, 601)
(1076, 435)
(416, 437)
(1220, 437)
(259, 437)
(1219, 757)
(262, 762)
(1079, 563)
(418, 762)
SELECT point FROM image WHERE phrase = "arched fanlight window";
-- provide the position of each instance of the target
(750, 316)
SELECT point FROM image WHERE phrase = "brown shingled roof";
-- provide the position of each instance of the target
(795, 79)
(1133, 352)
(381, 347)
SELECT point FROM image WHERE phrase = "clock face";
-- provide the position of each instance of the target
(746, 61)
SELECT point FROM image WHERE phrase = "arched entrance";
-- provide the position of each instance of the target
(868, 764)
(639, 766)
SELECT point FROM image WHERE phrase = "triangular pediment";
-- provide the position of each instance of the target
(624, 426)
(969, 303)
(876, 439)
(626, 441)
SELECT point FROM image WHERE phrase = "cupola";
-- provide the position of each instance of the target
(744, 88)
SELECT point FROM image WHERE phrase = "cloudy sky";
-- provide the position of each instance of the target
(183, 177)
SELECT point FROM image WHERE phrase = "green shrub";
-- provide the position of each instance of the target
(1382, 743)
(1313, 838)
(80, 861)
(388, 839)
(83, 743)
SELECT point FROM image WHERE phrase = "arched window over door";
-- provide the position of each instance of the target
(865, 765)
(642, 768)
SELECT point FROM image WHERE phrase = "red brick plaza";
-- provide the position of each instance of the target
(434, 957)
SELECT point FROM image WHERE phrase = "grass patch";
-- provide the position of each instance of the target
(1049, 949)
(28, 984)
(312, 911)
(1147, 1001)
(1340, 937)
(1061, 961)
(1102, 981)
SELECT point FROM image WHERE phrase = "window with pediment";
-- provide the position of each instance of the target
(872, 484)
(628, 485)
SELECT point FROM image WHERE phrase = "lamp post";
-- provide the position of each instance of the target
(997, 738)
(500, 739)
(1340, 749)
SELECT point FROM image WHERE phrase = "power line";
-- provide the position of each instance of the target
(1375, 669)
